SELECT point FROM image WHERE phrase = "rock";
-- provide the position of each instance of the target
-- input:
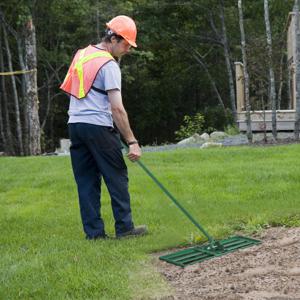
(49, 153)
(259, 137)
(64, 147)
(271, 139)
(285, 136)
(218, 135)
(194, 139)
(211, 145)
(204, 136)
(234, 140)
(189, 140)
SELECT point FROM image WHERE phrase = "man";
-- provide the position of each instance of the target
(94, 84)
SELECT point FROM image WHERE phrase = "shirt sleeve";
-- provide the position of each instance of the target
(111, 75)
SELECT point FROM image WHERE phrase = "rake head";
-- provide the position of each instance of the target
(208, 251)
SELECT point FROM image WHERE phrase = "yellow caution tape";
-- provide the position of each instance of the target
(16, 72)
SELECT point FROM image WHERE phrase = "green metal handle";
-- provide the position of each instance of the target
(211, 240)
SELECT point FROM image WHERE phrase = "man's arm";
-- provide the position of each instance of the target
(121, 120)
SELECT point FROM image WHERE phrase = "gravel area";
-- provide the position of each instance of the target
(270, 271)
(169, 147)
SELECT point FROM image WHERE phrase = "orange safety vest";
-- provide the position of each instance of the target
(83, 71)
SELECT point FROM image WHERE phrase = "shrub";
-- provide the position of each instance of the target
(191, 125)
(232, 130)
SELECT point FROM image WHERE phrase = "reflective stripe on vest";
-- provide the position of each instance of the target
(79, 66)
(83, 71)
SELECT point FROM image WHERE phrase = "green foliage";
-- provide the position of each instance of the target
(162, 82)
(191, 125)
(232, 130)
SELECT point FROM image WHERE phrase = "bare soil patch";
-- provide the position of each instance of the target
(267, 271)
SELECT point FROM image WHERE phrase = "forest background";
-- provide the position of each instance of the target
(180, 67)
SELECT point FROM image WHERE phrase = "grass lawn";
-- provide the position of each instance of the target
(43, 253)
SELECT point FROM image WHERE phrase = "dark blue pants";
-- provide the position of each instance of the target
(96, 153)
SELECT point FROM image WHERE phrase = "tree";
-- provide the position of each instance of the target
(162, 80)
(32, 102)
(226, 47)
(297, 59)
(27, 63)
(246, 75)
(14, 92)
(7, 138)
(272, 91)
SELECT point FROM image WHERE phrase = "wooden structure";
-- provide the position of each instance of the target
(262, 120)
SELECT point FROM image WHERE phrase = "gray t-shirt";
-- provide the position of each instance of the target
(95, 107)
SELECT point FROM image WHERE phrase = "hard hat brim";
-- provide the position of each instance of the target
(132, 43)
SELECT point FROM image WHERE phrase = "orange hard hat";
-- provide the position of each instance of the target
(125, 27)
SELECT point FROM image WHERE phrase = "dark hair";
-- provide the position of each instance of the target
(108, 34)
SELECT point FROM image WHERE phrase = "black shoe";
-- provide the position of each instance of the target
(98, 237)
(136, 231)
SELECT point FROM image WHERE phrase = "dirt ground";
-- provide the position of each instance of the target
(270, 271)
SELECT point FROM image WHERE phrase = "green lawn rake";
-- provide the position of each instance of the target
(213, 248)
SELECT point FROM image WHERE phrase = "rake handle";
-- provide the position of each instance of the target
(161, 186)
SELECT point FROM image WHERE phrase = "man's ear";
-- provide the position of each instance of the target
(113, 39)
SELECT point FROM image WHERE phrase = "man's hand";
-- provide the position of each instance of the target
(134, 152)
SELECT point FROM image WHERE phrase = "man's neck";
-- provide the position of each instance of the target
(107, 47)
(104, 46)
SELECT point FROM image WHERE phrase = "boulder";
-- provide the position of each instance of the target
(64, 147)
(260, 138)
(234, 140)
(218, 135)
(211, 145)
(194, 139)
(204, 136)
(285, 136)
(281, 136)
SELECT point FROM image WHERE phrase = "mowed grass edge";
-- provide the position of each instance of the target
(43, 251)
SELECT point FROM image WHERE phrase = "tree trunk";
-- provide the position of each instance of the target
(212, 81)
(199, 58)
(272, 92)
(23, 84)
(289, 92)
(31, 90)
(23, 89)
(15, 94)
(8, 138)
(297, 63)
(264, 111)
(2, 135)
(246, 75)
(228, 62)
(49, 84)
(49, 99)
(279, 94)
